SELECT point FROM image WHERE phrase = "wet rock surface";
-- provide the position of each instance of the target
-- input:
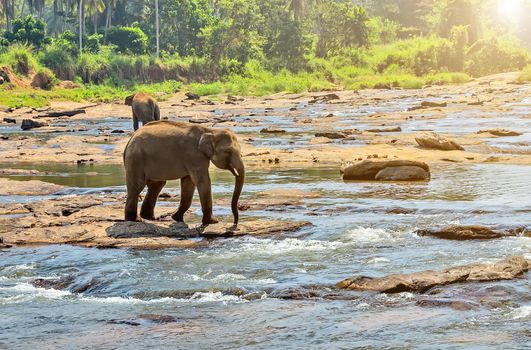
(96, 221)
(402, 173)
(500, 132)
(421, 282)
(436, 141)
(474, 232)
(385, 170)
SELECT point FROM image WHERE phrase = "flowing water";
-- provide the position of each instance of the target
(233, 293)
(278, 292)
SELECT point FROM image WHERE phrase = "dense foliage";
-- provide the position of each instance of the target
(298, 44)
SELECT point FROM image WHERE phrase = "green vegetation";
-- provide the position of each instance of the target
(253, 47)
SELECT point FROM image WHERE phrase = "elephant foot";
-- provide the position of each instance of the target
(210, 221)
(178, 217)
(131, 218)
(150, 217)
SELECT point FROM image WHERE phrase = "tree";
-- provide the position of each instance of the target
(339, 24)
(28, 31)
(157, 26)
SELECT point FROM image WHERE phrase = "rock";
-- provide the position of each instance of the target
(9, 171)
(324, 98)
(192, 96)
(62, 113)
(436, 141)
(477, 103)
(368, 169)
(430, 104)
(117, 131)
(331, 135)
(383, 86)
(235, 98)
(132, 229)
(68, 84)
(272, 130)
(28, 124)
(10, 187)
(423, 281)
(10, 120)
(471, 232)
(43, 80)
(402, 173)
(496, 132)
(397, 129)
(198, 120)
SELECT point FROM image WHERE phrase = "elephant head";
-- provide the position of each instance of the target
(129, 100)
(223, 149)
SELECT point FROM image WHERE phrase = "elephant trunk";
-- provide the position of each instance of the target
(237, 165)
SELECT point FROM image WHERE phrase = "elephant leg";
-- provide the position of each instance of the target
(148, 205)
(135, 122)
(134, 187)
(187, 194)
(204, 187)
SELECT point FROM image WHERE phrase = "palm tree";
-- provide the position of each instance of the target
(157, 26)
(8, 10)
(108, 18)
(91, 8)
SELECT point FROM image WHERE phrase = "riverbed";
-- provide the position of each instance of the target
(278, 291)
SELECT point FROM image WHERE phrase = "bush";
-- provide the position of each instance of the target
(92, 43)
(21, 59)
(525, 76)
(493, 56)
(29, 31)
(61, 57)
(128, 39)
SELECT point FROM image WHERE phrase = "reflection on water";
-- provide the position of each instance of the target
(226, 295)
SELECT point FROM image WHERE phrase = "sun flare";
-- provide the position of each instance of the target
(509, 8)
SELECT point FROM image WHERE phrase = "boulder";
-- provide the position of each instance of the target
(436, 141)
(324, 98)
(331, 135)
(423, 281)
(28, 124)
(402, 173)
(500, 132)
(62, 113)
(472, 232)
(368, 169)
(10, 120)
(192, 96)
(68, 84)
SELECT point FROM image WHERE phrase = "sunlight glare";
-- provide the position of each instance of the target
(510, 9)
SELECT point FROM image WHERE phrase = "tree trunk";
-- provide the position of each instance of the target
(157, 26)
(80, 10)
(108, 19)
(95, 20)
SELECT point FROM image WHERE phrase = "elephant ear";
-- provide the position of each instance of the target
(206, 145)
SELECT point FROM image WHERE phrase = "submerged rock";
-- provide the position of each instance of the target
(500, 132)
(272, 131)
(421, 282)
(431, 104)
(27, 188)
(436, 141)
(395, 129)
(471, 232)
(369, 170)
(28, 124)
(331, 135)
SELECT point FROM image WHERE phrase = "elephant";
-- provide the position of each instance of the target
(145, 108)
(168, 150)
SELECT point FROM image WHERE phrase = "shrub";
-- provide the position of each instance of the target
(21, 59)
(61, 58)
(92, 43)
(525, 76)
(493, 56)
(128, 39)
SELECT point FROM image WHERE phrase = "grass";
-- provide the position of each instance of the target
(18, 97)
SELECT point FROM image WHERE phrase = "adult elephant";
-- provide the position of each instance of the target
(145, 108)
(167, 150)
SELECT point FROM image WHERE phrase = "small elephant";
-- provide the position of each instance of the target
(167, 150)
(145, 108)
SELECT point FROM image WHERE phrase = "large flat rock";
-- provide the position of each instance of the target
(472, 232)
(96, 221)
(422, 281)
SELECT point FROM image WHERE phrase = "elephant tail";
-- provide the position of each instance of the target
(125, 149)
